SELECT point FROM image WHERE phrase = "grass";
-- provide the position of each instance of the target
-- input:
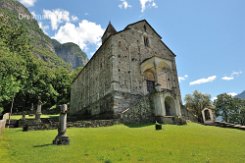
(17, 117)
(119, 143)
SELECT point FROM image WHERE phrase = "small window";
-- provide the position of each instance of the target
(146, 41)
(145, 28)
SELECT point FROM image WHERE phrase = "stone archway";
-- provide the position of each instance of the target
(208, 116)
(170, 108)
(150, 80)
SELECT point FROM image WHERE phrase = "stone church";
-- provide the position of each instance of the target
(129, 66)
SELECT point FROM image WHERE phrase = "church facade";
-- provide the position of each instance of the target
(129, 65)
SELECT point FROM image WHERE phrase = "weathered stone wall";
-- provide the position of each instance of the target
(49, 124)
(130, 52)
(94, 81)
(113, 81)
(101, 106)
(124, 100)
(139, 113)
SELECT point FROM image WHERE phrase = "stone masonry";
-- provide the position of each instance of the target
(129, 65)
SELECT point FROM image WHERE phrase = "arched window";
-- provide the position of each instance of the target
(146, 41)
(144, 28)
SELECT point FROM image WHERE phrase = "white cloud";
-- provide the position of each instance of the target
(203, 80)
(40, 24)
(232, 76)
(33, 14)
(214, 98)
(74, 18)
(43, 27)
(227, 78)
(28, 3)
(147, 3)
(124, 4)
(56, 17)
(183, 78)
(85, 34)
(232, 94)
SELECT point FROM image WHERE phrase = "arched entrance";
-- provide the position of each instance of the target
(150, 80)
(207, 115)
(169, 106)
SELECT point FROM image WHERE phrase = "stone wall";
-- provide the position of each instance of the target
(94, 81)
(112, 80)
(130, 52)
(101, 106)
(92, 123)
(228, 125)
(124, 100)
(49, 124)
(140, 113)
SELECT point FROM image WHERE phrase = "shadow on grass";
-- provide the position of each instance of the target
(42, 145)
(132, 125)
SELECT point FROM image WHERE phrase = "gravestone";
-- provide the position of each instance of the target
(25, 125)
(32, 112)
(62, 138)
(6, 116)
(38, 111)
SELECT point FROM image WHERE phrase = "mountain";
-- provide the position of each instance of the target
(30, 69)
(41, 44)
(70, 53)
(241, 95)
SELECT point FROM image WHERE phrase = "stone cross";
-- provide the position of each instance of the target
(62, 138)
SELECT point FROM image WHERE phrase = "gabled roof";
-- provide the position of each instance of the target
(128, 26)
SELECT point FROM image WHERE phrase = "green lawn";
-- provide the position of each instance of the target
(17, 117)
(119, 143)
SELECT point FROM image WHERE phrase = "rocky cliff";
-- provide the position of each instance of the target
(41, 44)
(43, 47)
(70, 53)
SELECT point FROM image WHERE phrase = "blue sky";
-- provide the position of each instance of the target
(208, 36)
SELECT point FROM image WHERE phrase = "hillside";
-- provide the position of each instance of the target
(29, 67)
(70, 53)
(41, 44)
(241, 95)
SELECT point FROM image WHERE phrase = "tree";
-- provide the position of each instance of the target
(223, 105)
(1, 110)
(230, 108)
(196, 102)
(242, 113)
(25, 74)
